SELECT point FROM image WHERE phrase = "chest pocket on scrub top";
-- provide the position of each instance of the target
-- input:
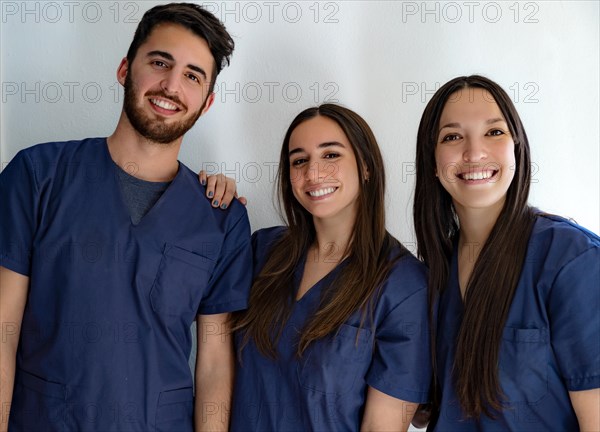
(335, 363)
(523, 365)
(180, 282)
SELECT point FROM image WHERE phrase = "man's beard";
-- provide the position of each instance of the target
(155, 130)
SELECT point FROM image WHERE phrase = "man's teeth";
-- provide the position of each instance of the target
(321, 192)
(164, 104)
(478, 175)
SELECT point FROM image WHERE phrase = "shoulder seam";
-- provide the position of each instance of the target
(404, 299)
(559, 272)
(33, 172)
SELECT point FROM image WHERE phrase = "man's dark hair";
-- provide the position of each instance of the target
(194, 18)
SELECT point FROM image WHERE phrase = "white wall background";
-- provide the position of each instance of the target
(382, 59)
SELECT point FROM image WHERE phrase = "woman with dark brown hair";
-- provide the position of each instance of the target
(336, 334)
(514, 292)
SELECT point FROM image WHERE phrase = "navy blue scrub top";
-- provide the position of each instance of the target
(105, 338)
(325, 389)
(551, 342)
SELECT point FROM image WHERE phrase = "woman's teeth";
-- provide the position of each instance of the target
(477, 175)
(321, 192)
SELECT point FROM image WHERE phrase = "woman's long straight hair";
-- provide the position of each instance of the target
(367, 254)
(490, 289)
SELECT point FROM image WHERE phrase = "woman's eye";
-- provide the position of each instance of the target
(451, 137)
(331, 156)
(298, 162)
(496, 132)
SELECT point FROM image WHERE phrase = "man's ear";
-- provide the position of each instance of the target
(209, 101)
(122, 71)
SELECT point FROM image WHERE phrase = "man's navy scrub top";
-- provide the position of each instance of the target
(105, 338)
(551, 341)
(325, 389)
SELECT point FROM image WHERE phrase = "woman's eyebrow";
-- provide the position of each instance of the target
(322, 145)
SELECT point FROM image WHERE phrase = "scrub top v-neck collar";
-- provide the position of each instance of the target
(151, 215)
(317, 286)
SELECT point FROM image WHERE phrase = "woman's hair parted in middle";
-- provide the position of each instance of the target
(492, 284)
(367, 254)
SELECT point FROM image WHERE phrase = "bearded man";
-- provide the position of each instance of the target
(108, 253)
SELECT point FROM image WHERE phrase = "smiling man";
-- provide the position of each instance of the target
(108, 253)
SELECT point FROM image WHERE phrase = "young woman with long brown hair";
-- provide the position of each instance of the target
(514, 293)
(336, 334)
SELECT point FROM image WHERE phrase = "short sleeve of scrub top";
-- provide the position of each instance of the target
(574, 308)
(228, 286)
(18, 195)
(399, 362)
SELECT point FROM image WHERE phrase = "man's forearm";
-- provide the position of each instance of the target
(8, 349)
(213, 401)
(13, 296)
(214, 373)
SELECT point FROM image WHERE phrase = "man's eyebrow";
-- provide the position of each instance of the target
(162, 54)
(169, 57)
(199, 70)
(322, 145)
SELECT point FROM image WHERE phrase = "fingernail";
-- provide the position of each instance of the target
(216, 203)
(210, 194)
(203, 182)
(223, 206)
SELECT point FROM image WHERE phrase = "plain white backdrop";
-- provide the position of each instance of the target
(382, 59)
